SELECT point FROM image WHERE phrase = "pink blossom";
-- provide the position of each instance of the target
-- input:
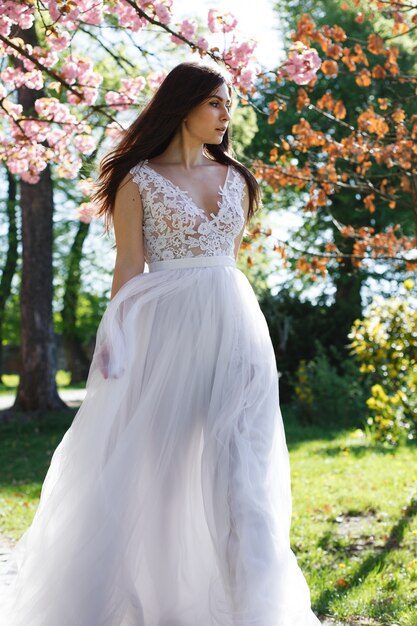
(82, 127)
(59, 42)
(5, 26)
(28, 162)
(29, 178)
(85, 143)
(127, 16)
(239, 54)
(221, 22)
(48, 58)
(36, 130)
(114, 131)
(229, 22)
(55, 135)
(12, 75)
(53, 9)
(213, 20)
(68, 165)
(84, 69)
(162, 12)
(86, 212)
(187, 30)
(28, 64)
(247, 76)
(90, 95)
(84, 11)
(81, 71)
(94, 15)
(52, 109)
(117, 100)
(302, 64)
(131, 87)
(34, 79)
(86, 186)
(69, 71)
(19, 13)
(202, 43)
(17, 77)
(155, 79)
(14, 110)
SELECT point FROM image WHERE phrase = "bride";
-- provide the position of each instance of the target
(168, 500)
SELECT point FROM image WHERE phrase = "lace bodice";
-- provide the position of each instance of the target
(175, 227)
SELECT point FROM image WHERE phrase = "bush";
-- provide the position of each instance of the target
(385, 344)
(329, 395)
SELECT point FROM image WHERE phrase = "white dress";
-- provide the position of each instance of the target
(168, 500)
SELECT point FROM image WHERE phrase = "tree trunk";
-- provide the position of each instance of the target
(347, 305)
(77, 360)
(10, 264)
(37, 389)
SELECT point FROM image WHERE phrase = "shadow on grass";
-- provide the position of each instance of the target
(27, 442)
(373, 562)
(357, 450)
(298, 433)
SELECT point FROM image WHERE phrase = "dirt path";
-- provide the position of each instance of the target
(5, 546)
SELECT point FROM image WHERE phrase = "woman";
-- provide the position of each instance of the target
(168, 502)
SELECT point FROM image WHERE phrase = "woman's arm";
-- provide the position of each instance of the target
(127, 222)
(245, 207)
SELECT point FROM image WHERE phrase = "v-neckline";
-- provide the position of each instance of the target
(210, 216)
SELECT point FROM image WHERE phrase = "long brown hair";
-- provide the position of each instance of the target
(186, 86)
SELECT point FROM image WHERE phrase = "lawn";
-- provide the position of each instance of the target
(354, 525)
(10, 382)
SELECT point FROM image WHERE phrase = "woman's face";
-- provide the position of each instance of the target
(208, 121)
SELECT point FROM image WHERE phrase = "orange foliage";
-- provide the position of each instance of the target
(335, 32)
(302, 99)
(273, 155)
(348, 59)
(376, 44)
(363, 79)
(382, 134)
(373, 123)
(378, 72)
(339, 110)
(305, 30)
(317, 265)
(391, 63)
(360, 56)
(306, 136)
(383, 103)
(369, 202)
(398, 116)
(330, 68)
(326, 101)
(274, 108)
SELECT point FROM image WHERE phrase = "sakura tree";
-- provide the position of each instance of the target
(369, 150)
(55, 107)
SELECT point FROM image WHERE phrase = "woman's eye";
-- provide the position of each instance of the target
(216, 103)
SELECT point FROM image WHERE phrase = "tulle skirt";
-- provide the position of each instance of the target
(168, 500)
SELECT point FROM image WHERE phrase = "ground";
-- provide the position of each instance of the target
(354, 525)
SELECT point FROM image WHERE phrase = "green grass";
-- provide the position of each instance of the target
(10, 382)
(354, 524)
